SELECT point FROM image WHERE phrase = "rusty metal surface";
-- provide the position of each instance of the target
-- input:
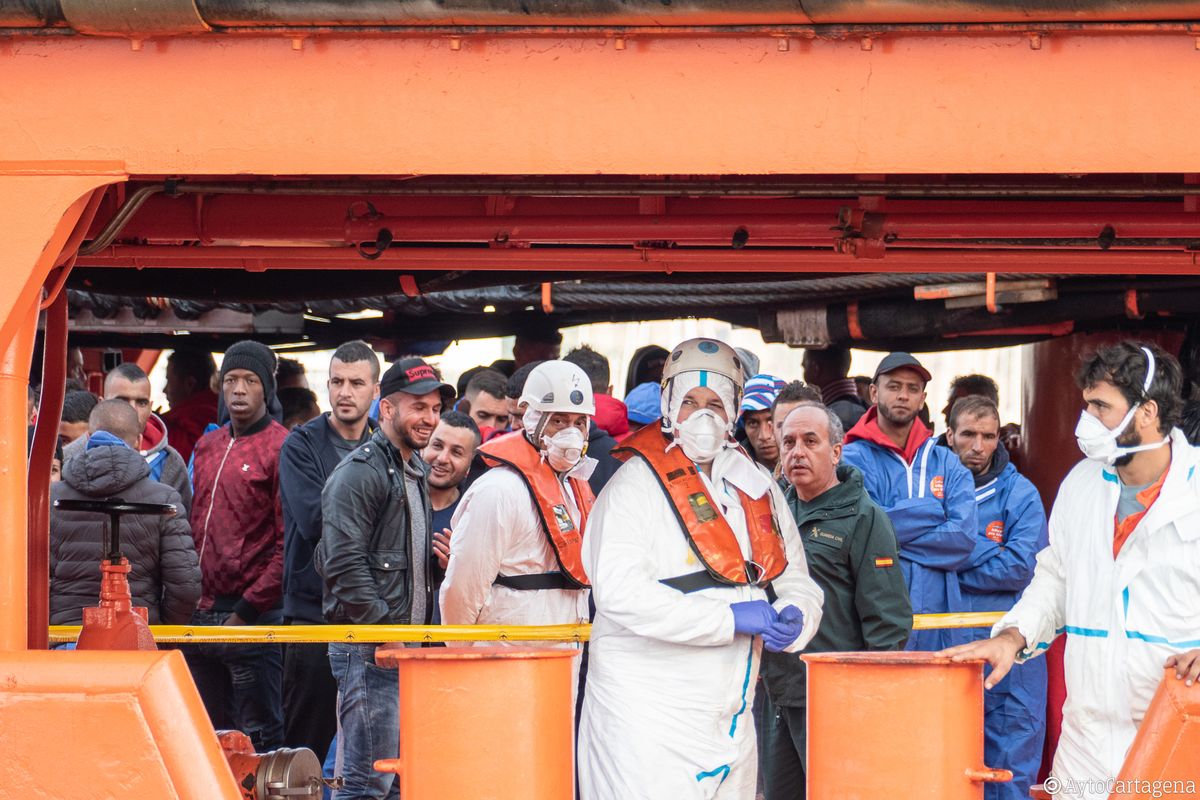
(133, 17)
(170, 17)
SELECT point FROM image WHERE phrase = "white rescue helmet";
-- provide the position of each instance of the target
(704, 356)
(555, 386)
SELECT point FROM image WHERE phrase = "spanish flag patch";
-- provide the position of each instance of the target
(883, 562)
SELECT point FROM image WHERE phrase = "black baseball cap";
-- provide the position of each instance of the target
(414, 376)
(895, 361)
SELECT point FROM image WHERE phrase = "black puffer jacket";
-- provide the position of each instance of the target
(165, 575)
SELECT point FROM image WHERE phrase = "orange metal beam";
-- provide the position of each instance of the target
(687, 103)
(258, 259)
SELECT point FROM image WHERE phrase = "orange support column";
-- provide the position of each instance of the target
(40, 206)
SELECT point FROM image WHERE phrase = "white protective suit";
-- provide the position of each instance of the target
(666, 714)
(497, 531)
(1122, 617)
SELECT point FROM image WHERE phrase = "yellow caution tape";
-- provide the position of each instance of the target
(290, 634)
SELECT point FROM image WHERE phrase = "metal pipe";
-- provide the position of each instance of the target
(120, 16)
(54, 376)
(115, 225)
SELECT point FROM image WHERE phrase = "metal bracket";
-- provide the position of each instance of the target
(862, 233)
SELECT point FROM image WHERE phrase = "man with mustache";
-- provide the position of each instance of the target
(1012, 530)
(851, 554)
(926, 491)
(449, 454)
(309, 455)
(374, 557)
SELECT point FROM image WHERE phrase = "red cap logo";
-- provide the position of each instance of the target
(420, 373)
(938, 486)
(995, 531)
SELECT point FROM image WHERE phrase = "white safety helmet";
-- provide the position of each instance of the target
(705, 357)
(555, 386)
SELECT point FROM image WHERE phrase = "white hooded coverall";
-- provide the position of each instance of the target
(1123, 617)
(497, 531)
(666, 713)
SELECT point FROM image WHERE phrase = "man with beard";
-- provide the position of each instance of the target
(449, 454)
(309, 455)
(1121, 575)
(374, 558)
(1012, 529)
(925, 490)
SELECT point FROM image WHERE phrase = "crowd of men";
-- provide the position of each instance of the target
(712, 525)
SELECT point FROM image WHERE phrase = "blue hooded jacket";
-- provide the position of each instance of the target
(929, 496)
(1012, 530)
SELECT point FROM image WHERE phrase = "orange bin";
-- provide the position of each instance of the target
(895, 725)
(484, 723)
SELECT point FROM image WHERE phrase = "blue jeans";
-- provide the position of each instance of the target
(241, 684)
(368, 713)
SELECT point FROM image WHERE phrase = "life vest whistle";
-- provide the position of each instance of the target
(707, 531)
(566, 538)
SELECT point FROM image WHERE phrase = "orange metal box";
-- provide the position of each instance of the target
(895, 725)
(486, 723)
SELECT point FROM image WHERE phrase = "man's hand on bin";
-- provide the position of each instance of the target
(1187, 665)
(1000, 652)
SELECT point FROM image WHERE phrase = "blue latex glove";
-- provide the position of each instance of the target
(787, 629)
(753, 617)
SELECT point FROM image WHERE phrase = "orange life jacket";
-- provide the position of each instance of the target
(707, 531)
(565, 537)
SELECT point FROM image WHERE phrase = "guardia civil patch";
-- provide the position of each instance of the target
(701, 507)
(563, 518)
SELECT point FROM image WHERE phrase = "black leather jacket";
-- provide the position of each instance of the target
(363, 555)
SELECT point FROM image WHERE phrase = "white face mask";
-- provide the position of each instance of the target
(1099, 443)
(565, 449)
(702, 435)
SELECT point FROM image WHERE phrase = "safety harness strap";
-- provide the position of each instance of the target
(695, 581)
(533, 583)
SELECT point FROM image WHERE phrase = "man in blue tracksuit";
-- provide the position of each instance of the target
(925, 490)
(1011, 531)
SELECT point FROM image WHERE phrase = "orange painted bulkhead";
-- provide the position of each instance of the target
(79, 113)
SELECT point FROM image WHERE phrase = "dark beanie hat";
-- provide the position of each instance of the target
(257, 358)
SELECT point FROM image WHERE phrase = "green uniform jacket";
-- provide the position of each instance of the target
(851, 552)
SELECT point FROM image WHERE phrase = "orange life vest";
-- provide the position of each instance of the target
(565, 537)
(707, 531)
